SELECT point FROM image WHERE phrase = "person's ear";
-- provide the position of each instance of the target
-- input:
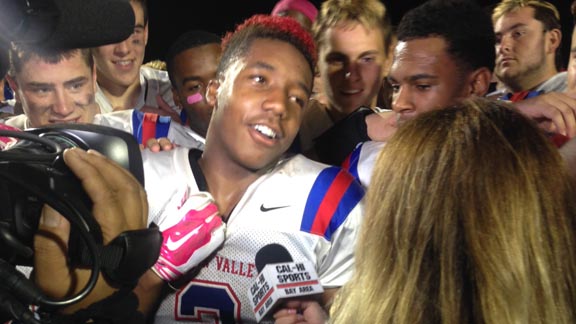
(211, 92)
(480, 82)
(14, 86)
(11, 82)
(554, 39)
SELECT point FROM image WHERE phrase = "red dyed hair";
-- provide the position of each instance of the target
(275, 27)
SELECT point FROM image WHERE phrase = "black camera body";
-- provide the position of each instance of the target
(33, 173)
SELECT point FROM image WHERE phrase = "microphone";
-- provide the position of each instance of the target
(280, 278)
(66, 24)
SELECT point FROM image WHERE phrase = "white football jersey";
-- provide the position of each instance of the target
(144, 126)
(135, 123)
(312, 209)
(360, 163)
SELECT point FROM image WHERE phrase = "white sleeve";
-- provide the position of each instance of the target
(184, 136)
(336, 259)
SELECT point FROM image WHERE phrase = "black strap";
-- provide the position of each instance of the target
(128, 256)
(193, 156)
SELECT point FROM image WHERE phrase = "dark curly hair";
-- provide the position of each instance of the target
(236, 44)
(464, 25)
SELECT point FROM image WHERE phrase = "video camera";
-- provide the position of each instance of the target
(33, 173)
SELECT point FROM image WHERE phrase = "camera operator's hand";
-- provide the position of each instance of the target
(119, 204)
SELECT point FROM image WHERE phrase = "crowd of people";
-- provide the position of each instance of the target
(427, 170)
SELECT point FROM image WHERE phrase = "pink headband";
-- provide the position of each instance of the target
(304, 6)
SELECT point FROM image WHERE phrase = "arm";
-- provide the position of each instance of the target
(554, 112)
(381, 126)
(149, 291)
(334, 145)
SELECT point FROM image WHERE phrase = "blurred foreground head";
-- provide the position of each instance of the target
(470, 219)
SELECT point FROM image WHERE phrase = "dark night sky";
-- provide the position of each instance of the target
(169, 18)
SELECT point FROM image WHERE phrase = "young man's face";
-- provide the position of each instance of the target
(424, 77)
(57, 93)
(521, 46)
(259, 104)
(119, 64)
(192, 70)
(351, 64)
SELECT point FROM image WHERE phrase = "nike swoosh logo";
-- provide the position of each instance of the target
(267, 209)
(175, 245)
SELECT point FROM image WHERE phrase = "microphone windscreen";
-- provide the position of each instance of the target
(91, 23)
(270, 254)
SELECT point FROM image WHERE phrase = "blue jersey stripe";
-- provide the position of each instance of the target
(316, 195)
(162, 126)
(137, 118)
(353, 195)
(322, 185)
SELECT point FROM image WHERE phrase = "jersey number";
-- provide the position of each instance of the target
(204, 300)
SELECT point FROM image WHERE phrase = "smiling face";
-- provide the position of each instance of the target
(424, 77)
(258, 105)
(60, 92)
(192, 71)
(119, 64)
(351, 64)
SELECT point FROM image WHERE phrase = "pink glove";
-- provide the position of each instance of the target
(198, 232)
